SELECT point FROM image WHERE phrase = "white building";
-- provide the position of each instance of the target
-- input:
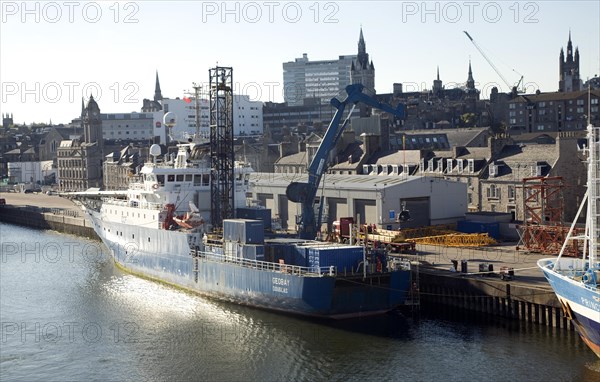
(375, 199)
(247, 117)
(30, 172)
(322, 79)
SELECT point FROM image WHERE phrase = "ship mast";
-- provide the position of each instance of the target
(590, 199)
(593, 215)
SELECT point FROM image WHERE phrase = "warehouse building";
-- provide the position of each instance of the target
(369, 199)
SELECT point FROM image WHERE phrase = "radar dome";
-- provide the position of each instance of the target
(170, 119)
(155, 150)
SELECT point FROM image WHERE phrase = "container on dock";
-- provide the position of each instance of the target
(244, 231)
(467, 226)
(263, 214)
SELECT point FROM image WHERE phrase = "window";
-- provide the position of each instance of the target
(471, 166)
(430, 165)
(580, 110)
(511, 192)
(542, 112)
(542, 104)
(188, 177)
(449, 165)
(511, 106)
(594, 101)
(440, 165)
(470, 198)
(459, 165)
(171, 178)
(493, 170)
(493, 192)
(579, 102)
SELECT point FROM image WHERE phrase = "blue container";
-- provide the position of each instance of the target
(263, 214)
(341, 257)
(244, 231)
(300, 255)
(277, 252)
(468, 226)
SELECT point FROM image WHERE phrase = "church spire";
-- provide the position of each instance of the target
(438, 72)
(569, 48)
(157, 93)
(470, 80)
(361, 43)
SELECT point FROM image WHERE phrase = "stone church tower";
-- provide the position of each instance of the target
(362, 70)
(92, 124)
(569, 69)
(80, 161)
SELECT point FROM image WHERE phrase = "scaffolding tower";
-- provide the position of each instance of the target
(221, 145)
(543, 230)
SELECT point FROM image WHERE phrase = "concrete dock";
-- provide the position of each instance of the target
(45, 212)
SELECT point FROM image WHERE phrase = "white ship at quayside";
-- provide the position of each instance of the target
(158, 229)
(576, 281)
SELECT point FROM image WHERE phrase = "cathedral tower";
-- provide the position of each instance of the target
(569, 80)
(362, 70)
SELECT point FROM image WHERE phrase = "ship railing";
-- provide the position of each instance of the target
(268, 266)
(137, 186)
(133, 203)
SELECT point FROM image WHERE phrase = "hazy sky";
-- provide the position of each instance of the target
(51, 53)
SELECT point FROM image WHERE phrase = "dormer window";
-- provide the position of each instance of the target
(471, 163)
(459, 165)
(449, 165)
(440, 164)
(430, 165)
(493, 170)
(422, 165)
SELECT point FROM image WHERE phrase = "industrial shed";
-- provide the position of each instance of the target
(374, 199)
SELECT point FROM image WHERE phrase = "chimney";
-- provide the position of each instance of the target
(371, 142)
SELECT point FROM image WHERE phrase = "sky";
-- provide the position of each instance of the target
(54, 53)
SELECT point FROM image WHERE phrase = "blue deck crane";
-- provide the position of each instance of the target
(305, 193)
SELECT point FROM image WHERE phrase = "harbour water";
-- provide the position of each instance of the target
(68, 314)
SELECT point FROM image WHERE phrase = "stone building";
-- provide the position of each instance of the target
(120, 167)
(553, 112)
(80, 161)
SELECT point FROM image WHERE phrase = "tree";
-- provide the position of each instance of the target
(468, 119)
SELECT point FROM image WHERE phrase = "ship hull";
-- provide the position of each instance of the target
(165, 256)
(580, 303)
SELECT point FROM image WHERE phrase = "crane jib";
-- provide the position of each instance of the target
(320, 168)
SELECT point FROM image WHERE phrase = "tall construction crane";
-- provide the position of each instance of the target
(511, 87)
(305, 193)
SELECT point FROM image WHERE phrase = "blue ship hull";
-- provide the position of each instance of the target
(253, 283)
(580, 302)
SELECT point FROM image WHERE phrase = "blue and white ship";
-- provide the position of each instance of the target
(576, 281)
(157, 229)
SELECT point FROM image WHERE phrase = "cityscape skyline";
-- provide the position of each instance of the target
(53, 53)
